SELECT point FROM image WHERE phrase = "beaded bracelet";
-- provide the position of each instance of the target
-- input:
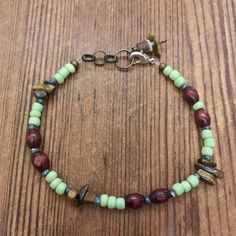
(147, 51)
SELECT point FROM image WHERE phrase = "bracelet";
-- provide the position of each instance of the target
(147, 51)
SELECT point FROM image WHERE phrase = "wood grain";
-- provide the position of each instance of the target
(121, 132)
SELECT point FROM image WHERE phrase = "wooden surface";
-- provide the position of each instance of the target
(121, 132)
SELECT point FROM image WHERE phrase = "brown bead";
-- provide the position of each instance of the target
(202, 118)
(134, 200)
(207, 177)
(214, 171)
(90, 197)
(75, 63)
(81, 195)
(145, 46)
(40, 161)
(72, 194)
(40, 94)
(190, 95)
(206, 162)
(48, 88)
(33, 138)
(160, 195)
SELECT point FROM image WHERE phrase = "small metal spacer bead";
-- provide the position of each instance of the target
(197, 175)
(75, 63)
(148, 200)
(208, 158)
(51, 81)
(30, 126)
(206, 127)
(172, 192)
(44, 173)
(97, 200)
(162, 66)
(41, 101)
(67, 190)
(184, 86)
(34, 150)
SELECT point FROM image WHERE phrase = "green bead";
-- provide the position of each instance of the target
(51, 176)
(180, 81)
(61, 188)
(167, 70)
(103, 200)
(120, 203)
(174, 75)
(207, 151)
(209, 142)
(70, 67)
(59, 78)
(37, 106)
(178, 188)
(193, 180)
(207, 133)
(35, 113)
(186, 185)
(198, 105)
(111, 202)
(64, 72)
(55, 183)
(34, 121)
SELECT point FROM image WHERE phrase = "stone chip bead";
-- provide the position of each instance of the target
(33, 138)
(160, 195)
(190, 95)
(206, 177)
(48, 88)
(134, 200)
(202, 118)
(40, 161)
(214, 171)
(75, 63)
(193, 180)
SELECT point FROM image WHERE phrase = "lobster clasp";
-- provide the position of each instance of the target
(139, 57)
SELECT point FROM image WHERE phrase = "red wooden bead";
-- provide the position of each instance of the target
(33, 138)
(160, 195)
(190, 95)
(134, 200)
(202, 118)
(40, 161)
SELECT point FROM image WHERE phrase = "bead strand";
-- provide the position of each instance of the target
(206, 168)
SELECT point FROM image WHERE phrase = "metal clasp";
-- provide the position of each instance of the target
(140, 57)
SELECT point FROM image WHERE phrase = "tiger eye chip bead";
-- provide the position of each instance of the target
(214, 171)
(81, 195)
(206, 177)
(75, 63)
